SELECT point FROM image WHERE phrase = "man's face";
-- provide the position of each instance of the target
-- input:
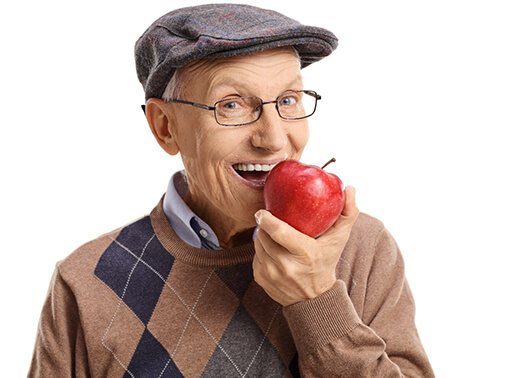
(218, 191)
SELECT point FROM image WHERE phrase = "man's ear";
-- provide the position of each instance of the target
(162, 125)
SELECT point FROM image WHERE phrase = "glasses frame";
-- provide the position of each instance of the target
(313, 94)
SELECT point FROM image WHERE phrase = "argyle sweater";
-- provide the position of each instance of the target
(139, 302)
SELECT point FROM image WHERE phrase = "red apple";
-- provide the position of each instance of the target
(304, 196)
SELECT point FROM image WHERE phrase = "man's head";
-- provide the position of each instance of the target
(226, 150)
(220, 30)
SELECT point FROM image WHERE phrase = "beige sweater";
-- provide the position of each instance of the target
(139, 302)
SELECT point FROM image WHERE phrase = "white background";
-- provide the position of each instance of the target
(422, 107)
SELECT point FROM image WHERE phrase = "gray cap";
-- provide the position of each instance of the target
(220, 30)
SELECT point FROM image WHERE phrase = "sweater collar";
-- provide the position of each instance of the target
(192, 255)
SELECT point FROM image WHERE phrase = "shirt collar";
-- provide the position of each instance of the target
(189, 227)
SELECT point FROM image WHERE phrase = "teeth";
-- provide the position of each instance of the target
(253, 167)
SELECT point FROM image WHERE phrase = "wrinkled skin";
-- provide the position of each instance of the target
(218, 195)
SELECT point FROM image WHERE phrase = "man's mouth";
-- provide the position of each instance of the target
(253, 175)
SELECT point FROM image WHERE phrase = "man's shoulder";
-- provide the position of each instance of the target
(370, 237)
(83, 260)
(366, 227)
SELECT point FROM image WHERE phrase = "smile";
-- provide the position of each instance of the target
(253, 175)
(253, 167)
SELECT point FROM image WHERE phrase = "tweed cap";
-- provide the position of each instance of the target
(220, 30)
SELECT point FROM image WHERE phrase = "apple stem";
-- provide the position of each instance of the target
(330, 161)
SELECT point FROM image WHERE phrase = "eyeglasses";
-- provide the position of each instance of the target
(240, 111)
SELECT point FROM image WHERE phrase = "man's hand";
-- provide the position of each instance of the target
(291, 266)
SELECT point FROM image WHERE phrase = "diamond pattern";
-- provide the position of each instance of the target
(151, 360)
(244, 350)
(237, 278)
(166, 321)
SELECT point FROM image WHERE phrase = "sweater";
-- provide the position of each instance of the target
(139, 302)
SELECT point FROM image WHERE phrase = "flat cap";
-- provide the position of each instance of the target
(220, 30)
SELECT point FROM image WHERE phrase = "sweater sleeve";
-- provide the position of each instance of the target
(60, 349)
(380, 339)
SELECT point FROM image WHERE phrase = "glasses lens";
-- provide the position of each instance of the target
(238, 111)
(297, 105)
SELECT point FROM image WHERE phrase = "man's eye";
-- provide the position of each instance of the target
(231, 105)
(288, 101)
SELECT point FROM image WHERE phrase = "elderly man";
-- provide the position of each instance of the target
(209, 284)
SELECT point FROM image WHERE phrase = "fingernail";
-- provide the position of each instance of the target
(258, 216)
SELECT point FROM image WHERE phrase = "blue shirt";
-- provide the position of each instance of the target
(189, 227)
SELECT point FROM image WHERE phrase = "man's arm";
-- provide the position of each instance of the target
(373, 335)
(60, 345)
(332, 336)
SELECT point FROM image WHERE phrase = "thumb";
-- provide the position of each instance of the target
(280, 232)
(271, 224)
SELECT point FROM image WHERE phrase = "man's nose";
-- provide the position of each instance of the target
(270, 131)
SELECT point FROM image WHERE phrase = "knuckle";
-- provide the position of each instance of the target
(272, 273)
(280, 233)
